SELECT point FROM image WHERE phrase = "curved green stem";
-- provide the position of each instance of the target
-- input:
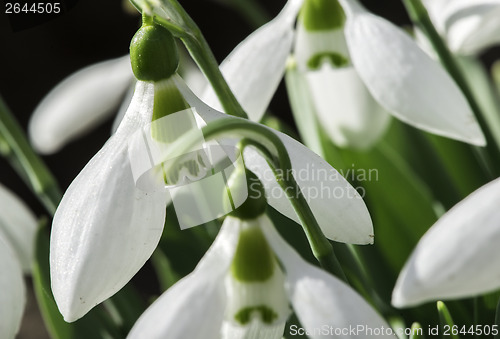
(171, 15)
(273, 149)
(489, 158)
(17, 150)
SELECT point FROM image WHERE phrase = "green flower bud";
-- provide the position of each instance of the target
(153, 53)
(256, 202)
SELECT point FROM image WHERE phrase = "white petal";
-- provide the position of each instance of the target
(105, 228)
(319, 299)
(337, 206)
(458, 256)
(123, 109)
(78, 103)
(12, 293)
(347, 111)
(404, 80)
(472, 27)
(17, 226)
(304, 112)
(255, 67)
(194, 307)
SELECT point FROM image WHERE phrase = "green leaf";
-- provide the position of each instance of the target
(445, 319)
(414, 147)
(484, 91)
(54, 322)
(15, 147)
(171, 15)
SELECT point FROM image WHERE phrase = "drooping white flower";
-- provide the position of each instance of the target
(214, 301)
(343, 105)
(458, 256)
(106, 228)
(17, 235)
(398, 74)
(468, 26)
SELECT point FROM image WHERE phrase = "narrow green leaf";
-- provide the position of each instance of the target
(401, 205)
(446, 321)
(54, 322)
(171, 15)
(30, 167)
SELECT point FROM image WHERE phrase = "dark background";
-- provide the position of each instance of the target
(33, 60)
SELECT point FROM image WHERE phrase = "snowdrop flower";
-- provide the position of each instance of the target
(468, 26)
(17, 234)
(399, 75)
(458, 256)
(344, 106)
(106, 228)
(239, 289)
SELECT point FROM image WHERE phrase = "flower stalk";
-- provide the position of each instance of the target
(489, 158)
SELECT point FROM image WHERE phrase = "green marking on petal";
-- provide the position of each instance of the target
(167, 100)
(267, 314)
(322, 15)
(336, 60)
(254, 259)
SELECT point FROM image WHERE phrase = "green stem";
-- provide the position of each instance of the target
(30, 167)
(489, 158)
(273, 149)
(173, 17)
